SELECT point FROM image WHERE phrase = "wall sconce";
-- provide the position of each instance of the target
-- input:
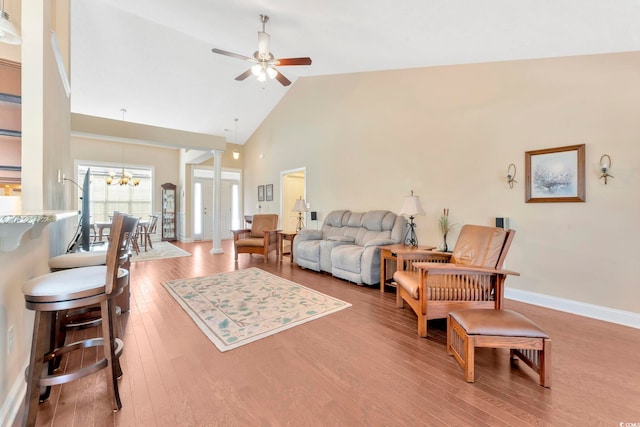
(605, 165)
(236, 154)
(511, 175)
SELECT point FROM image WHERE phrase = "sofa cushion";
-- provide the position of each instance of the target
(344, 239)
(347, 257)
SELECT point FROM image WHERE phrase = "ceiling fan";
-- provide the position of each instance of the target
(263, 60)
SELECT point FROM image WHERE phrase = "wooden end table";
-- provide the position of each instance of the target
(388, 253)
(282, 236)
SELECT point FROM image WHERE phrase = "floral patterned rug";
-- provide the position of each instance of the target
(161, 250)
(242, 306)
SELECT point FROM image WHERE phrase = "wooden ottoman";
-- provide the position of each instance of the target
(471, 328)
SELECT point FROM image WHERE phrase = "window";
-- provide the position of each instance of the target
(104, 199)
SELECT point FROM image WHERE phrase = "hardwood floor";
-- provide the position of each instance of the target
(361, 366)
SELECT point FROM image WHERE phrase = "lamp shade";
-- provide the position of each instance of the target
(299, 206)
(412, 206)
(8, 33)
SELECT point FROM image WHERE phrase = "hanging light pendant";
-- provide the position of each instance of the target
(125, 178)
(8, 33)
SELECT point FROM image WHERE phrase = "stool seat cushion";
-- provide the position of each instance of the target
(505, 323)
(78, 259)
(61, 285)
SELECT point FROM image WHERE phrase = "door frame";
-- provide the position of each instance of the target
(283, 190)
(210, 169)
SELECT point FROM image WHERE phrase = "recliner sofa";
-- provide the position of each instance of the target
(347, 245)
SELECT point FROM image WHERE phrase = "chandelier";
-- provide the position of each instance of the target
(125, 178)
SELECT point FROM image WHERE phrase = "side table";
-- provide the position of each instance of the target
(282, 236)
(388, 253)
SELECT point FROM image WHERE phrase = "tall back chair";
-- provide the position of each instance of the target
(261, 239)
(76, 289)
(434, 283)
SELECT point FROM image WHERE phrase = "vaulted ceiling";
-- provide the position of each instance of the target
(153, 57)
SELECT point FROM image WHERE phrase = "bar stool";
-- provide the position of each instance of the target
(73, 289)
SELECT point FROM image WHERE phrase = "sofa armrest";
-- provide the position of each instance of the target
(379, 242)
(309, 235)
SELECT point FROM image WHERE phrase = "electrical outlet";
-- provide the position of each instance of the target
(9, 340)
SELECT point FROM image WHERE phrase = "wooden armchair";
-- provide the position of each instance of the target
(435, 283)
(262, 238)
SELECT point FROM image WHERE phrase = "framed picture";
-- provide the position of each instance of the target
(555, 175)
(261, 193)
(269, 192)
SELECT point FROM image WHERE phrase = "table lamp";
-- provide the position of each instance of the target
(411, 207)
(299, 206)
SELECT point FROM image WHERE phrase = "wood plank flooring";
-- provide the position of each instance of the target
(363, 366)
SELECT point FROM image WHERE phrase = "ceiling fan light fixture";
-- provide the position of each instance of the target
(264, 40)
(256, 69)
(263, 59)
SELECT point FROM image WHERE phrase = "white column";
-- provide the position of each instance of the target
(217, 225)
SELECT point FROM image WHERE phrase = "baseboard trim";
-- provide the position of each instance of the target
(12, 404)
(607, 314)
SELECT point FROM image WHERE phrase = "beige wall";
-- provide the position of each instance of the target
(449, 133)
(164, 161)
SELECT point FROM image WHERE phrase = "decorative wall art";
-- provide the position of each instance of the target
(261, 193)
(555, 175)
(269, 192)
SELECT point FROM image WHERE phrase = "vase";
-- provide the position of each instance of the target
(443, 246)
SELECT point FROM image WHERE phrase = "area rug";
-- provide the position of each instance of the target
(161, 250)
(242, 306)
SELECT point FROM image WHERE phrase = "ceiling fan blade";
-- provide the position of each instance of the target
(244, 75)
(233, 55)
(292, 61)
(281, 78)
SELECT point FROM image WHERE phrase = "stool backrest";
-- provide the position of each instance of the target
(122, 231)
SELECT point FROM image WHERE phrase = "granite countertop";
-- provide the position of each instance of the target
(35, 217)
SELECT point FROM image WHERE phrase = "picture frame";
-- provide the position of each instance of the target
(261, 193)
(269, 192)
(555, 175)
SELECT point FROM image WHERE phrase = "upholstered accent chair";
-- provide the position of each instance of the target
(261, 238)
(435, 283)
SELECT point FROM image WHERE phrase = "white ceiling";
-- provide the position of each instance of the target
(153, 57)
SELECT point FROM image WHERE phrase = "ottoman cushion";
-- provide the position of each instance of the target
(504, 323)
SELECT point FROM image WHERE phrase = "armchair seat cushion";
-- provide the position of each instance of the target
(408, 280)
(250, 241)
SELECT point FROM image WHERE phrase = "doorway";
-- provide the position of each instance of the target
(293, 185)
(230, 209)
